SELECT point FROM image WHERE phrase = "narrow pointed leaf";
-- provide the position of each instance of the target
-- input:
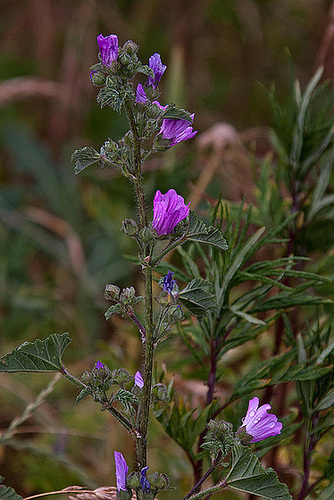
(39, 356)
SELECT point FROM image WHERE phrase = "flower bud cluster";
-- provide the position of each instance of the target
(123, 300)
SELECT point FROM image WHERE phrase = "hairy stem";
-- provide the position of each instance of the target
(204, 477)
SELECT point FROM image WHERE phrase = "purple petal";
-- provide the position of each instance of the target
(121, 470)
(160, 105)
(139, 380)
(260, 424)
(177, 130)
(108, 47)
(140, 94)
(168, 210)
(99, 365)
(158, 68)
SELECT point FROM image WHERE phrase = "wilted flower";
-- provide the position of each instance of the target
(258, 423)
(121, 470)
(168, 210)
(108, 47)
(158, 68)
(140, 94)
(168, 282)
(177, 130)
(139, 380)
(144, 481)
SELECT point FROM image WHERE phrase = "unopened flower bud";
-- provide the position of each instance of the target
(133, 480)
(121, 376)
(97, 78)
(159, 481)
(86, 377)
(130, 47)
(111, 292)
(124, 58)
(146, 235)
(127, 295)
(129, 227)
(165, 299)
(159, 392)
(176, 313)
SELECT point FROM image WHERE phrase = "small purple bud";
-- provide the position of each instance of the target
(140, 94)
(99, 365)
(144, 481)
(260, 424)
(108, 47)
(160, 105)
(168, 210)
(139, 380)
(121, 471)
(158, 68)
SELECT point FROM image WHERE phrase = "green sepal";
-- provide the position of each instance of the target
(39, 356)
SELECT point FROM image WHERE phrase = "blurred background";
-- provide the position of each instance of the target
(60, 242)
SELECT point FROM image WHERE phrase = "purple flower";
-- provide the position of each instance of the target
(160, 105)
(259, 423)
(108, 47)
(168, 282)
(139, 380)
(99, 365)
(144, 483)
(168, 210)
(140, 94)
(177, 130)
(158, 68)
(121, 470)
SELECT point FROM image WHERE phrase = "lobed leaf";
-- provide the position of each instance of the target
(7, 493)
(39, 356)
(198, 231)
(84, 157)
(197, 298)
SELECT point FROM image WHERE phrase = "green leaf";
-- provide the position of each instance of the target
(112, 94)
(7, 493)
(84, 157)
(197, 298)
(326, 402)
(327, 493)
(114, 309)
(177, 114)
(248, 475)
(145, 70)
(198, 231)
(247, 317)
(39, 356)
(83, 394)
(125, 397)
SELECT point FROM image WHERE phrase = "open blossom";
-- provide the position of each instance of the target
(168, 210)
(259, 423)
(108, 47)
(121, 470)
(158, 68)
(140, 94)
(177, 130)
(139, 380)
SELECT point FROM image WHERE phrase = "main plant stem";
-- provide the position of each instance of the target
(148, 345)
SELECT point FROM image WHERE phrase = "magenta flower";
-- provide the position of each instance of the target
(121, 471)
(108, 47)
(139, 380)
(259, 423)
(158, 68)
(168, 210)
(99, 365)
(140, 94)
(168, 282)
(177, 130)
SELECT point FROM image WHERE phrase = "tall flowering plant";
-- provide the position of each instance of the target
(163, 224)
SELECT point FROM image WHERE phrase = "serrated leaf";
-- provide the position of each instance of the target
(39, 356)
(197, 298)
(248, 475)
(198, 231)
(84, 157)
(114, 309)
(177, 114)
(7, 493)
(83, 394)
(125, 397)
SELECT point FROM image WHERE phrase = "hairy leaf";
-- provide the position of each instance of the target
(197, 298)
(248, 475)
(39, 356)
(84, 157)
(198, 231)
(177, 114)
(114, 309)
(7, 493)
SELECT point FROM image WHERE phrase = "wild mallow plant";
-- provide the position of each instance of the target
(154, 128)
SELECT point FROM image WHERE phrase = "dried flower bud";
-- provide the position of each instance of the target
(112, 292)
